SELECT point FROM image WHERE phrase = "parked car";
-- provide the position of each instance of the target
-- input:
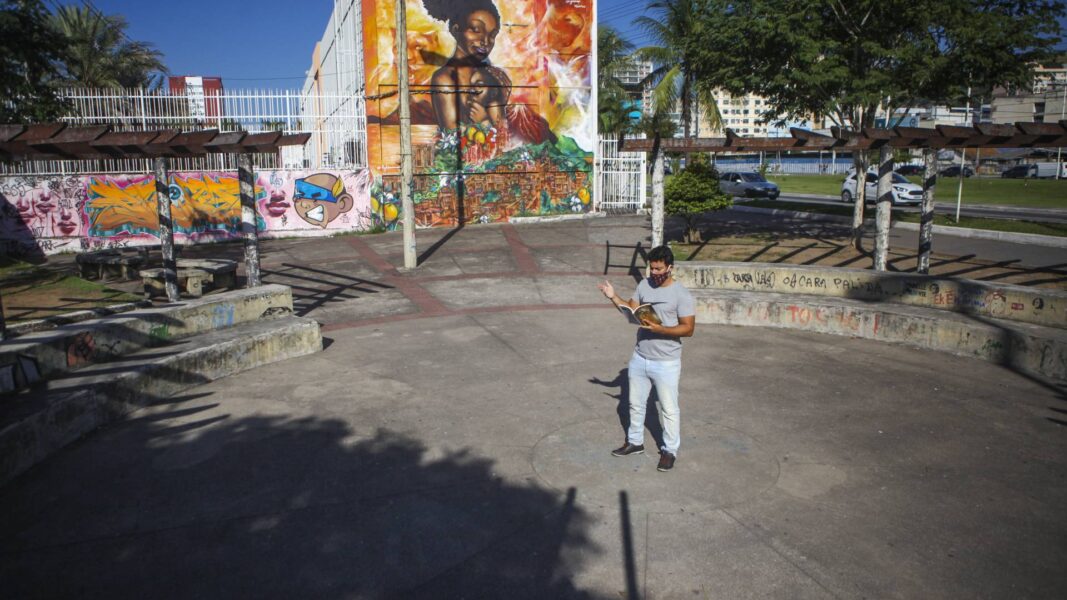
(1018, 172)
(1048, 169)
(904, 191)
(954, 171)
(747, 184)
(910, 170)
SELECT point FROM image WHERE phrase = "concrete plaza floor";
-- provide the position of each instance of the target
(453, 439)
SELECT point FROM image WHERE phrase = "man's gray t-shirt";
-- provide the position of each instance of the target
(669, 302)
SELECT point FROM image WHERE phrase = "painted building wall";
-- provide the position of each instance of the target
(503, 121)
(45, 215)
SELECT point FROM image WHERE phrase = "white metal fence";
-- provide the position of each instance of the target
(337, 124)
(621, 179)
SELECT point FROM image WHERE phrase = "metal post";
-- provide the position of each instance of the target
(408, 203)
(166, 230)
(926, 220)
(249, 230)
(1059, 152)
(963, 155)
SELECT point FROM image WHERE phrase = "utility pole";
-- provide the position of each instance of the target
(407, 202)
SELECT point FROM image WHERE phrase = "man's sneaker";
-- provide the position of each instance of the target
(666, 461)
(628, 449)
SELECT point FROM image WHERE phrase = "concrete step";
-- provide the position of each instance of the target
(1034, 349)
(42, 355)
(36, 422)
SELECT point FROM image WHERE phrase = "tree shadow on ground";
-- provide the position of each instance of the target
(186, 501)
(313, 288)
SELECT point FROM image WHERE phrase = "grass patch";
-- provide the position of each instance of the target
(1031, 193)
(57, 294)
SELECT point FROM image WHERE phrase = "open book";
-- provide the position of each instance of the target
(639, 315)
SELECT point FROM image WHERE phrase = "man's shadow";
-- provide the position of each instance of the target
(622, 408)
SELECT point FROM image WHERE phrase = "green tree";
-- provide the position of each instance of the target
(693, 192)
(848, 59)
(101, 55)
(613, 102)
(675, 77)
(30, 56)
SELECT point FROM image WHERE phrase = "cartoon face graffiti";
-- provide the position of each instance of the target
(321, 198)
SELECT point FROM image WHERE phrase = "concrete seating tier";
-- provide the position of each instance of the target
(1035, 349)
(63, 383)
(50, 352)
(981, 299)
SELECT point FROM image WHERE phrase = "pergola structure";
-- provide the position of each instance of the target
(983, 135)
(57, 141)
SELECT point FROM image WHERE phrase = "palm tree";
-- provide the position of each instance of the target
(657, 125)
(613, 110)
(100, 53)
(673, 30)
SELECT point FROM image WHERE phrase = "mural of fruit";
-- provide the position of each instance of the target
(583, 195)
(390, 212)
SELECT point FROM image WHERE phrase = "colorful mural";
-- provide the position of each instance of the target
(502, 117)
(53, 214)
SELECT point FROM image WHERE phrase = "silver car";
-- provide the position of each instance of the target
(747, 184)
(904, 191)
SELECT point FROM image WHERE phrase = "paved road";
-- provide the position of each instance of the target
(453, 441)
(1047, 215)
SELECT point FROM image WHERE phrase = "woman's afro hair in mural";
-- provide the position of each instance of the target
(455, 11)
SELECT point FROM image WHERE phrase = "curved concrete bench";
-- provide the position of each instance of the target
(999, 301)
(888, 307)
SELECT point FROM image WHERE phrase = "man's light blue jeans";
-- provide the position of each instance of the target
(664, 374)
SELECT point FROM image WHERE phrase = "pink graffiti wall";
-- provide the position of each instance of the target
(46, 215)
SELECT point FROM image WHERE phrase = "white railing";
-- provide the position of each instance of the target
(621, 179)
(337, 123)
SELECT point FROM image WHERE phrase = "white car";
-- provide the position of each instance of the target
(904, 191)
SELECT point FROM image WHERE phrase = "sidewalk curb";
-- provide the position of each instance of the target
(1034, 239)
(553, 218)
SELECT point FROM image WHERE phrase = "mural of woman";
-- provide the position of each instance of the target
(474, 24)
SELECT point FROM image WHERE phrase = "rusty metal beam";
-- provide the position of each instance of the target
(261, 142)
(71, 142)
(226, 143)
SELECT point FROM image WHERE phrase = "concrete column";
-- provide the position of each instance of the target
(406, 171)
(885, 207)
(926, 222)
(249, 226)
(657, 195)
(166, 230)
(859, 162)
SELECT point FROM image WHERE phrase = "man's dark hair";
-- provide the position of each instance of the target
(661, 254)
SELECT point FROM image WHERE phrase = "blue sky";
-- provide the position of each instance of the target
(266, 43)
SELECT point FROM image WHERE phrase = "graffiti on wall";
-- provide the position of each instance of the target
(502, 122)
(52, 214)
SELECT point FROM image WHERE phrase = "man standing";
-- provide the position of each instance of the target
(657, 357)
